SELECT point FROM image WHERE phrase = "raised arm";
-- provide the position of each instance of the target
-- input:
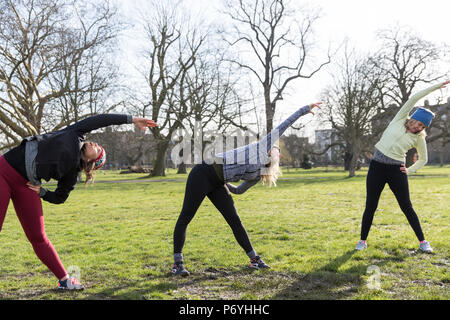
(407, 107)
(262, 147)
(105, 120)
(267, 142)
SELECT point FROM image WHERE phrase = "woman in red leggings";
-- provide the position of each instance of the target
(59, 155)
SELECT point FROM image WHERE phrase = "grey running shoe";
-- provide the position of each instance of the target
(179, 269)
(361, 245)
(425, 247)
(258, 263)
(71, 283)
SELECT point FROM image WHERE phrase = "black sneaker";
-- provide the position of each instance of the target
(179, 269)
(258, 263)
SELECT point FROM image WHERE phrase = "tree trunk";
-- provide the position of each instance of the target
(442, 153)
(353, 165)
(182, 168)
(159, 168)
(354, 161)
(347, 160)
(270, 112)
(351, 172)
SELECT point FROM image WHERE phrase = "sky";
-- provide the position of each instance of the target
(356, 20)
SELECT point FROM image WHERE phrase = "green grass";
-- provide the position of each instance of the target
(115, 175)
(120, 237)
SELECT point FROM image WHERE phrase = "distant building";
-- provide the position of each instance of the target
(439, 149)
(324, 138)
(293, 150)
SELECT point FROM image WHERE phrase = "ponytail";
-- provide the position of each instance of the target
(88, 169)
(271, 172)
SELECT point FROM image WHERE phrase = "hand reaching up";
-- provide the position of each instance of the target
(143, 123)
(314, 105)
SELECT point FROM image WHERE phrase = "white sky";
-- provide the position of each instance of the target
(356, 20)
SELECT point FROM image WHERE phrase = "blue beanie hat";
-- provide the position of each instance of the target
(423, 115)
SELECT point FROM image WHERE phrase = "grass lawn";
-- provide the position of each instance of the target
(118, 236)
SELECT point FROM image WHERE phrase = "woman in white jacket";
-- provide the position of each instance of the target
(388, 164)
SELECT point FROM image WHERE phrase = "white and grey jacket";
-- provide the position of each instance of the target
(245, 163)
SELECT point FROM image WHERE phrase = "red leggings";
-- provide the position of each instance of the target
(28, 207)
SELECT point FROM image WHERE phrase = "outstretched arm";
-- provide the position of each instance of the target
(263, 146)
(105, 120)
(269, 140)
(143, 123)
(407, 107)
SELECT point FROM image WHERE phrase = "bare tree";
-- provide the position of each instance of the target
(350, 106)
(93, 77)
(214, 101)
(39, 41)
(407, 61)
(172, 54)
(265, 28)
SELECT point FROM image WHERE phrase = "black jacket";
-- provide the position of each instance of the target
(59, 153)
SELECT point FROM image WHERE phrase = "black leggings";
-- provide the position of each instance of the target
(203, 181)
(379, 174)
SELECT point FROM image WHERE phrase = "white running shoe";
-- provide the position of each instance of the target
(425, 247)
(361, 245)
(71, 283)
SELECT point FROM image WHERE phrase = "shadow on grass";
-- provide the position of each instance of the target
(324, 283)
(198, 284)
(328, 283)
